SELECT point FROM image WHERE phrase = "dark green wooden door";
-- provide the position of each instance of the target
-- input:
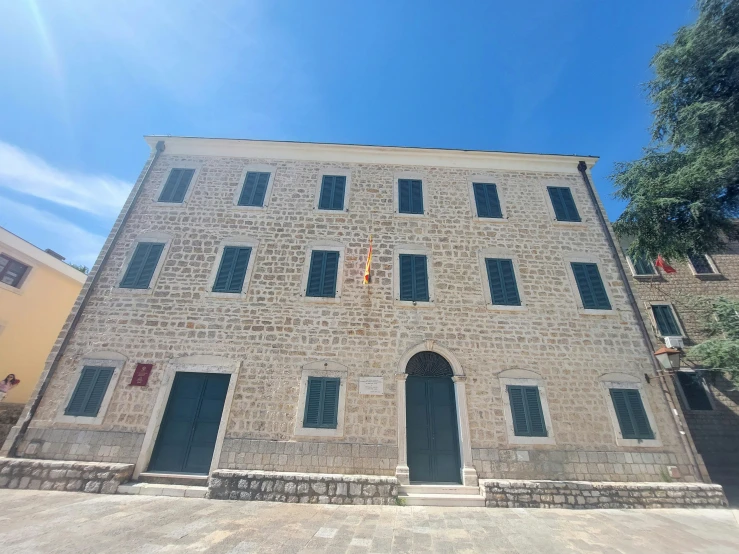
(187, 435)
(431, 430)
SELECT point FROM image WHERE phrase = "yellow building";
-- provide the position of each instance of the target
(37, 291)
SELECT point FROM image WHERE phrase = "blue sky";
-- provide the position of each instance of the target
(84, 80)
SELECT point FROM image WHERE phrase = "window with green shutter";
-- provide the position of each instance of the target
(502, 281)
(333, 188)
(563, 204)
(664, 317)
(486, 200)
(231, 272)
(321, 402)
(175, 188)
(700, 264)
(254, 189)
(526, 412)
(590, 285)
(414, 282)
(12, 271)
(632, 418)
(642, 266)
(323, 273)
(142, 265)
(694, 390)
(410, 196)
(89, 392)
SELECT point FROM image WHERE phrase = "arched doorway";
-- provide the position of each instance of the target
(431, 420)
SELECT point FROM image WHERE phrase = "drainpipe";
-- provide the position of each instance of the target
(679, 425)
(93, 279)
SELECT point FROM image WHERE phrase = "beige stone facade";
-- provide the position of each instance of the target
(269, 336)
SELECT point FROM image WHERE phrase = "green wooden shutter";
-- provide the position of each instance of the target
(694, 391)
(322, 402)
(416, 197)
(89, 392)
(502, 281)
(404, 196)
(700, 264)
(314, 392)
(534, 412)
(563, 204)
(665, 319)
(333, 188)
(232, 271)
(518, 411)
(526, 411)
(327, 189)
(406, 276)
(643, 266)
(254, 189)
(323, 274)
(632, 418)
(590, 285)
(330, 407)
(487, 201)
(142, 265)
(420, 279)
(176, 186)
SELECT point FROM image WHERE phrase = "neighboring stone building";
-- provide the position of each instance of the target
(495, 339)
(710, 402)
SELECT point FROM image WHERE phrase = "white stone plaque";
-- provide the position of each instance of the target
(370, 385)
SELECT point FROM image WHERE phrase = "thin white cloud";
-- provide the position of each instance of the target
(28, 174)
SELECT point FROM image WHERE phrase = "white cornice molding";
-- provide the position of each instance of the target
(392, 155)
(10, 242)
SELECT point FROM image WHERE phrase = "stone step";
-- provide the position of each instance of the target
(446, 500)
(158, 489)
(440, 489)
(174, 479)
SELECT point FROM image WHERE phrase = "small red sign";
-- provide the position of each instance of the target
(141, 375)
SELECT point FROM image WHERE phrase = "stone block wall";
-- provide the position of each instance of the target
(63, 476)
(9, 414)
(303, 488)
(74, 444)
(592, 495)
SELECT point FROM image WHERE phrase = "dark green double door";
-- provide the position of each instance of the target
(431, 430)
(187, 435)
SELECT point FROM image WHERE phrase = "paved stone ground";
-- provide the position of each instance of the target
(41, 521)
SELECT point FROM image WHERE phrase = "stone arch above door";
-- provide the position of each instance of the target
(430, 346)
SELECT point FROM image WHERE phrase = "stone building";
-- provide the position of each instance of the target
(495, 339)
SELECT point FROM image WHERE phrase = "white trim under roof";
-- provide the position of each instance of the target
(348, 153)
(16, 243)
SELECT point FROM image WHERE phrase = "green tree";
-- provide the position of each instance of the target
(79, 267)
(683, 193)
(721, 351)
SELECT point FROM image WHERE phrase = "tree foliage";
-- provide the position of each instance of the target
(683, 193)
(79, 267)
(721, 351)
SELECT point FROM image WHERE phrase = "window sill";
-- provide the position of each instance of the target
(497, 220)
(412, 304)
(134, 292)
(505, 308)
(168, 205)
(321, 299)
(411, 216)
(11, 288)
(644, 443)
(588, 312)
(329, 212)
(570, 224)
(318, 432)
(226, 295)
(80, 420)
(708, 276)
(516, 440)
(646, 277)
(249, 208)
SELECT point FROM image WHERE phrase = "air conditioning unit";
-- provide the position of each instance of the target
(674, 342)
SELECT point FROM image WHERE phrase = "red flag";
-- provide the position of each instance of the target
(369, 261)
(663, 265)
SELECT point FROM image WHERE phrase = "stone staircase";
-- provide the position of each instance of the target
(441, 495)
(167, 484)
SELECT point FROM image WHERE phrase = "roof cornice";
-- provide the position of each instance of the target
(16, 243)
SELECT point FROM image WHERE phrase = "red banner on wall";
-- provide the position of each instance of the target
(141, 375)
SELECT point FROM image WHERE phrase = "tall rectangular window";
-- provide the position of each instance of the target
(502, 281)
(642, 266)
(322, 402)
(142, 265)
(231, 273)
(563, 204)
(333, 188)
(526, 411)
(410, 196)
(11, 271)
(487, 201)
(254, 189)
(700, 264)
(632, 418)
(414, 281)
(89, 392)
(323, 273)
(694, 390)
(664, 317)
(176, 186)
(590, 285)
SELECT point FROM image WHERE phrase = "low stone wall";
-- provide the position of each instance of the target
(17, 473)
(9, 414)
(305, 488)
(590, 495)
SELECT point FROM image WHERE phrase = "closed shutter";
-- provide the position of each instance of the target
(665, 320)
(563, 204)
(333, 188)
(176, 186)
(487, 201)
(526, 411)
(330, 406)
(700, 264)
(322, 402)
(502, 281)
(90, 390)
(254, 189)
(590, 285)
(632, 418)
(142, 265)
(643, 266)
(694, 390)
(410, 196)
(313, 402)
(413, 272)
(232, 271)
(323, 274)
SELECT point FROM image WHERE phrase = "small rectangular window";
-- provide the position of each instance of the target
(642, 266)
(487, 201)
(231, 273)
(323, 273)
(410, 196)
(321, 402)
(563, 204)
(701, 265)
(414, 285)
(526, 411)
(12, 271)
(694, 390)
(142, 265)
(590, 285)
(664, 317)
(332, 192)
(632, 418)
(254, 189)
(502, 281)
(175, 188)
(89, 392)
